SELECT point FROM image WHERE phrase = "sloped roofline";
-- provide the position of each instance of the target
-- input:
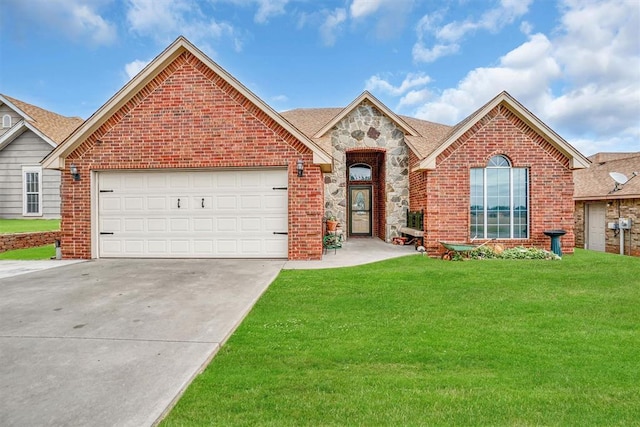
(18, 129)
(576, 159)
(15, 108)
(366, 96)
(56, 159)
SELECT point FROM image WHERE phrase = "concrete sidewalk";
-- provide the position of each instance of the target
(9, 268)
(355, 251)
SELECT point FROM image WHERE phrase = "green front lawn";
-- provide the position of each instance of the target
(419, 341)
(42, 252)
(28, 225)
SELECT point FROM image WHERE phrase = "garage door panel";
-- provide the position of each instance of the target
(110, 204)
(221, 214)
(133, 204)
(157, 247)
(278, 224)
(275, 246)
(226, 202)
(156, 224)
(274, 201)
(250, 224)
(157, 181)
(203, 247)
(227, 247)
(177, 225)
(179, 180)
(250, 202)
(227, 181)
(178, 247)
(133, 181)
(203, 224)
(111, 225)
(250, 246)
(134, 247)
(134, 224)
(157, 203)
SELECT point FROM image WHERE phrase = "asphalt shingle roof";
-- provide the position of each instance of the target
(594, 182)
(53, 125)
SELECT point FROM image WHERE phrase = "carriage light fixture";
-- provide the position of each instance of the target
(73, 170)
(300, 168)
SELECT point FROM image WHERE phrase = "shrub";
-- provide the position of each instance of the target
(519, 252)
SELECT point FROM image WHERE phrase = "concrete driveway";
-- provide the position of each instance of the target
(113, 342)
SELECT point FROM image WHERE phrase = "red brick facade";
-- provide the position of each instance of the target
(443, 193)
(189, 117)
(9, 242)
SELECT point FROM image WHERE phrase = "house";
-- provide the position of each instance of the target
(27, 135)
(184, 161)
(601, 202)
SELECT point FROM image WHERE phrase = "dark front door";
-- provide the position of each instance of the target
(360, 212)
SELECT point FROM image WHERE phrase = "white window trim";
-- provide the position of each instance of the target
(25, 170)
(511, 202)
(6, 121)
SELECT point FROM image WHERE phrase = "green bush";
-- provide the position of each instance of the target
(519, 252)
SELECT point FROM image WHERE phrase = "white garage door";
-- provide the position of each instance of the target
(189, 214)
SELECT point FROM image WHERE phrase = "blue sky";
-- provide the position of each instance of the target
(574, 63)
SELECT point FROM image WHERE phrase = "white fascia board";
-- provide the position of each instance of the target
(15, 108)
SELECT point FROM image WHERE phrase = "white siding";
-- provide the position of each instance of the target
(26, 150)
(15, 117)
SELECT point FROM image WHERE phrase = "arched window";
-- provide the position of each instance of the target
(499, 200)
(360, 172)
(6, 121)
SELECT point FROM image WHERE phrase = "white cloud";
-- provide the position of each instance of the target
(448, 37)
(414, 97)
(424, 54)
(77, 19)
(361, 8)
(164, 20)
(331, 27)
(526, 72)
(411, 81)
(266, 9)
(583, 80)
(134, 67)
(269, 8)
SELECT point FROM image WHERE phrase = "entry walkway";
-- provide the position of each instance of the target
(354, 251)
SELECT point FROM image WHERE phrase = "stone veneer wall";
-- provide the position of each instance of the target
(616, 208)
(366, 128)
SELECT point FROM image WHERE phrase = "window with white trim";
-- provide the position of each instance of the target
(499, 201)
(6, 121)
(32, 191)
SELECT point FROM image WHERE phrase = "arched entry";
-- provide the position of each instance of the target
(365, 192)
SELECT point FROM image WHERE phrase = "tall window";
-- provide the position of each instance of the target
(32, 190)
(6, 121)
(499, 201)
(360, 172)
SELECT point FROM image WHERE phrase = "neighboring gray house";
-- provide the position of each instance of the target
(27, 135)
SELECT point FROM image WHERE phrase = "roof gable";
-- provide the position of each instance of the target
(51, 127)
(576, 159)
(367, 97)
(56, 160)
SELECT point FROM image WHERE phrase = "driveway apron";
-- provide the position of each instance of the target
(114, 342)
